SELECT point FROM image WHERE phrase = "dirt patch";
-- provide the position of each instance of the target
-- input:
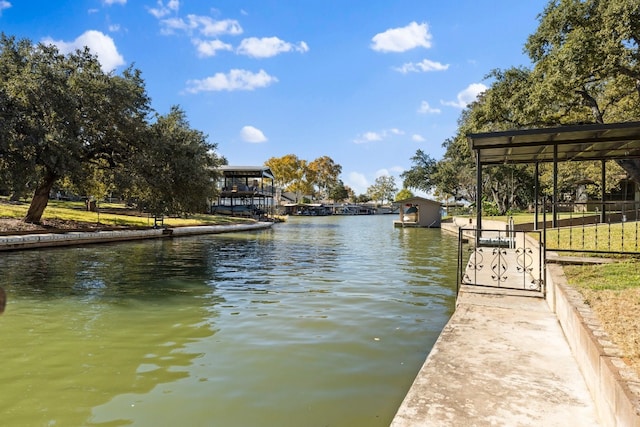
(17, 226)
(618, 311)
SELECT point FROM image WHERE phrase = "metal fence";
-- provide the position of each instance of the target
(593, 227)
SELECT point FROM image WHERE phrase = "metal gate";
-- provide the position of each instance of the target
(501, 259)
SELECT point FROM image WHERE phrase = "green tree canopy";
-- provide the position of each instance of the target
(64, 120)
(586, 55)
(338, 192)
(176, 171)
(323, 173)
(383, 189)
(405, 193)
(420, 176)
(62, 113)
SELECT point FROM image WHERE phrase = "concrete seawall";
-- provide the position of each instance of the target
(42, 240)
(506, 358)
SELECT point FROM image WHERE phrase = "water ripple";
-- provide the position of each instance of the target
(323, 319)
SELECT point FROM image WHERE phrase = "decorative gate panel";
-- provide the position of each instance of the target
(503, 259)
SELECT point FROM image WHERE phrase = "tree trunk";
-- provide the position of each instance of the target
(632, 167)
(591, 102)
(498, 199)
(40, 199)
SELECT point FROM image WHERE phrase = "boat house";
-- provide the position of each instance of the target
(419, 212)
(245, 191)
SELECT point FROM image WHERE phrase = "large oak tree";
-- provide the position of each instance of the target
(61, 113)
(62, 119)
(586, 69)
(587, 61)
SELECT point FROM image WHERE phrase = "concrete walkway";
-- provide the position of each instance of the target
(502, 360)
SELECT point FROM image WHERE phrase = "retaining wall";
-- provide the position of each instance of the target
(614, 386)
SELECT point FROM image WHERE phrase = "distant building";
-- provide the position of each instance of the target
(419, 212)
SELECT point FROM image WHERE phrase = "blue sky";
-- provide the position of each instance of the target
(365, 82)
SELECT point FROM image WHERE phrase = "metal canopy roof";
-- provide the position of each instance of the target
(247, 171)
(574, 143)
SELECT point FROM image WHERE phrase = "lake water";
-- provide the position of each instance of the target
(320, 321)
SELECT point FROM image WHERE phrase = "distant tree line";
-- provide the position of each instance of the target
(66, 124)
(586, 69)
(319, 179)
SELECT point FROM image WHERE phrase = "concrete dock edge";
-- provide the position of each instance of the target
(612, 388)
(73, 238)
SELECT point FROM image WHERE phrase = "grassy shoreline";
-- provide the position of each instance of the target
(109, 214)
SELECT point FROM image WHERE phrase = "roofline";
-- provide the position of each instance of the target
(243, 170)
(590, 127)
(584, 142)
(424, 199)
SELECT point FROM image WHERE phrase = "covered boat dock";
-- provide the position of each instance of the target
(245, 191)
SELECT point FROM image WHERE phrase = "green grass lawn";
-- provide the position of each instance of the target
(76, 211)
(615, 276)
(620, 237)
(613, 293)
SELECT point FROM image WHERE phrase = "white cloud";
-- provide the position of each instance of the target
(268, 46)
(98, 43)
(4, 4)
(372, 136)
(171, 25)
(207, 48)
(110, 2)
(203, 25)
(425, 108)
(368, 137)
(402, 39)
(210, 27)
(162, 10)
(467, 96)
(234, 80)
(358, 182)
(114, 28)
(393, 171)
(417, 138)
(423, 66)
(252, 134)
